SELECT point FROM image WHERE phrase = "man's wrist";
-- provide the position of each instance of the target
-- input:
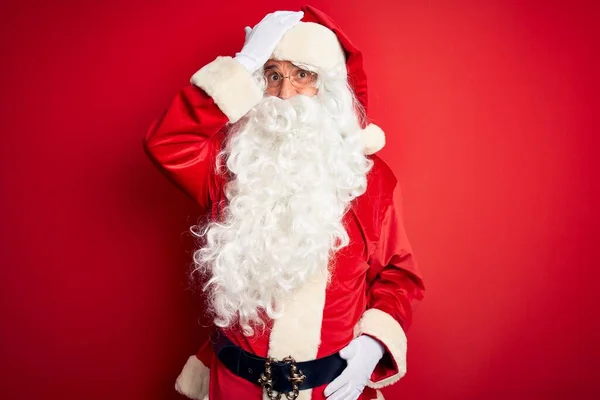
(376, 346)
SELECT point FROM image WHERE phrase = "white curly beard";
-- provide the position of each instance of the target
(297, 164)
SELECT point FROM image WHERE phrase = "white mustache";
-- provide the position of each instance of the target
(278, 115)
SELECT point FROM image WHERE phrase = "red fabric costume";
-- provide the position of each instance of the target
(374, 280)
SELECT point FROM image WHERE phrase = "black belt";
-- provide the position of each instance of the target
(281, 376)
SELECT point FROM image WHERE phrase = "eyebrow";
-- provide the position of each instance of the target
(276, 68)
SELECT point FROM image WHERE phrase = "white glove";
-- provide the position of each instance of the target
(362, 355)
(262, 40)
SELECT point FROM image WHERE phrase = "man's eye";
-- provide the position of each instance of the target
(303, 75)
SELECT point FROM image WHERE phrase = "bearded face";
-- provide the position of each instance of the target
(296, 166)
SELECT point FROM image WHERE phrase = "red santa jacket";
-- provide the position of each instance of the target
(375, 280)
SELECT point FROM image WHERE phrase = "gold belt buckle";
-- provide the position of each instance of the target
(296, 378)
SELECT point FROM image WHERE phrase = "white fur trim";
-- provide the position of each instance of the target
(298, 331)
(193, 379)
(379, 396)
(385, 328)
(230, 85)
(373, 138)
(313, 44)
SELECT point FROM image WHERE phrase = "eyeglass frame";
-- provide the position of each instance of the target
(301, 68)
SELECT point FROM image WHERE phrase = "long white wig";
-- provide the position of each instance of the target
(296, 164)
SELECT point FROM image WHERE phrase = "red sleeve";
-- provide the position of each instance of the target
(206, 351)
(182, 142)
(395, 288)
(397, 285)
(194, 379)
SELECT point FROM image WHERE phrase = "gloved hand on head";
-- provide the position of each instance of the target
(262, 40)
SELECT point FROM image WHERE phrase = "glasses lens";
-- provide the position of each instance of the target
(303, 78)
(299, 77)
(273, 78)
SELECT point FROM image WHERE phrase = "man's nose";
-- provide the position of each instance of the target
(287, 89)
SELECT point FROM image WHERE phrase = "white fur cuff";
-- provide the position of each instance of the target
(386, 329)
(193, 379)
(379, 396)
(230, 85)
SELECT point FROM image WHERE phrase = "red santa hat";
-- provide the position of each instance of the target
(318, 41)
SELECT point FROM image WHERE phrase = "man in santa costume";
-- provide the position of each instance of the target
(309, 276)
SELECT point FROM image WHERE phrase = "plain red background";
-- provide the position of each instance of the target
(491, 114)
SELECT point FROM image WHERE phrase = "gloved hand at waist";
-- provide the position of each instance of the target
(362, 354)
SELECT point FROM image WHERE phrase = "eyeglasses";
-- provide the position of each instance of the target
(300, 78)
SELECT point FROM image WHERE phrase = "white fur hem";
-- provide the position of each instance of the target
(379, 396)
(193, 381)
(373, 139)
(312, 44)
(230, 85)
(298, 331)
(385, 328)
